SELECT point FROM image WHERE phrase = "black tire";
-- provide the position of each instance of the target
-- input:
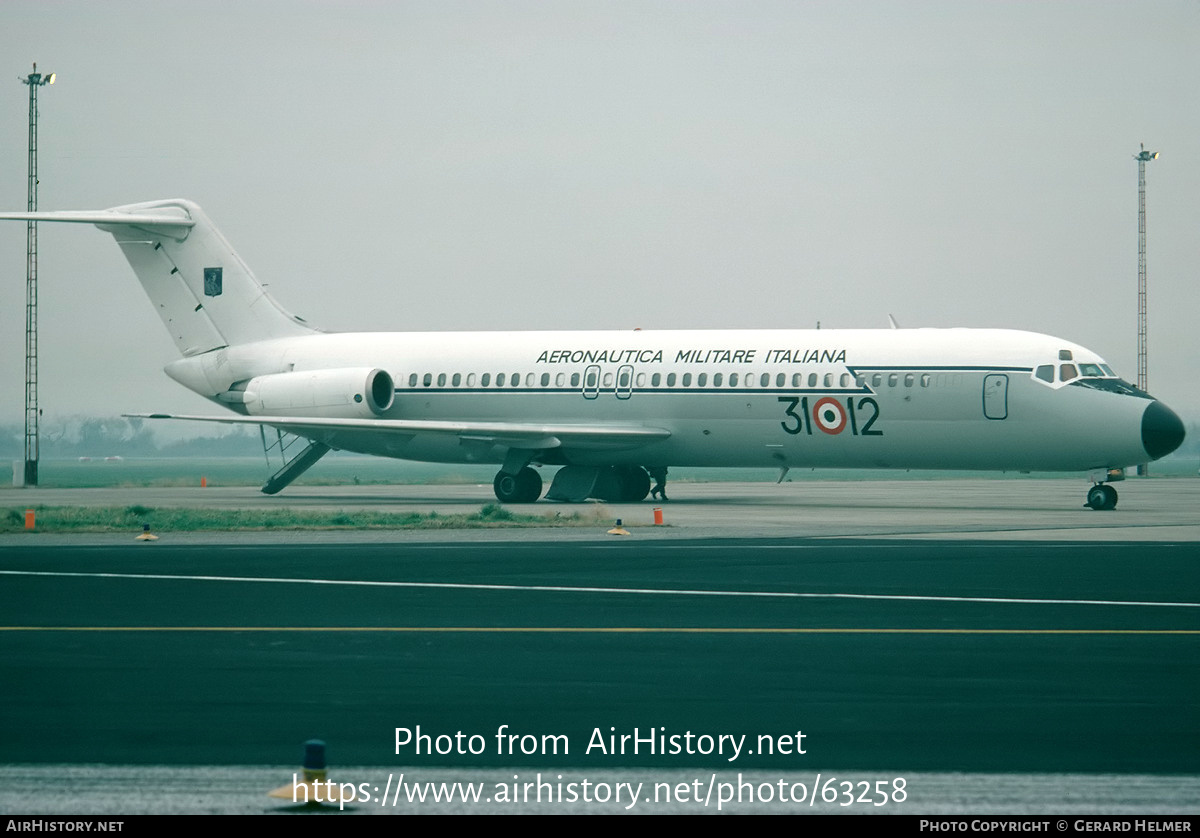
(1102, 497)
(523, 487)
(634, 483)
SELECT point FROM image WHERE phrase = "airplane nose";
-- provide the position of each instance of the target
(1162, 430)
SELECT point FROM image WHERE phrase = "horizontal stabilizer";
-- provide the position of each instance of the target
(166, 217)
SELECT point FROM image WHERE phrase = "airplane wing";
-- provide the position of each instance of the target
(510, 434)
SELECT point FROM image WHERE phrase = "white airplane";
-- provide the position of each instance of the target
(616, 409)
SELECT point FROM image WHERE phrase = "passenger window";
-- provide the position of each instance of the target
(764, 380)
(733, 379)
(608, 379)
(717, 378)
(428, 381)
(486, 379)
(687, 379)
(860, 380)
(500, 379)
(656, 379)
(412, 380)
(640, 379)
(515, 379)
(441, 379)
(1045, 372)
(457, 379)
(574, 379)
(560, 379)
(925, 380)
(470, 379)
(797, 379)
(812, 379)
(893, 379)
(545, 379)
(846, 379)
(828, 379)
(908, 379)
(591, 379)
(877, 380)
(701, 379)
(1066, 372)
(780, 380)
(670, 379)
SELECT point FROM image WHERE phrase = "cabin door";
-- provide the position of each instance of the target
(995, 396)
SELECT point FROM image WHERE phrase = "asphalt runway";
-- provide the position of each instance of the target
(950, 655)
(981, 638)
(1031, 509)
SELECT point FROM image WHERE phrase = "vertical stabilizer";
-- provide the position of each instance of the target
(203, 291)
(205, 294)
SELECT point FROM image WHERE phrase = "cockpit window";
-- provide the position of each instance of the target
(1091, 371)
(1045, 372)
(1066, 372)
(1111, 385)
(1108, 370)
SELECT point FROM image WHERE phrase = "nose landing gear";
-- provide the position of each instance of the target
(1101, 497)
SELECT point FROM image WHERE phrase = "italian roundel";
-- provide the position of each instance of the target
(829, 416)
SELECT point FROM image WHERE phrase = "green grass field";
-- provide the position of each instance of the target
(133, 518)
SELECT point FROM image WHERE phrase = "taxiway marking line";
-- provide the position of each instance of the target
(594, 630)
(595, 590)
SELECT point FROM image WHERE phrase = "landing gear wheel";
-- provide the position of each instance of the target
(634, 482)
(1102, 497)
(523, 487)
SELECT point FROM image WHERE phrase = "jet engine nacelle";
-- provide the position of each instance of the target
(344, 393)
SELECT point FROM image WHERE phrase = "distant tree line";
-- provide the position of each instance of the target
(119, 436)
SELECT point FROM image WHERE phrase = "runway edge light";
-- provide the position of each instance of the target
(618, 529)
(146, 535)
(314, 789)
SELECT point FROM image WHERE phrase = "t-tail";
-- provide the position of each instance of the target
(205, 294)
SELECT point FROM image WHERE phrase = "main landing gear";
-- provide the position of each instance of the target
(616, 484)
(523, 487)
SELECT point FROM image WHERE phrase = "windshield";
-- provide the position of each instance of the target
(1071, 371)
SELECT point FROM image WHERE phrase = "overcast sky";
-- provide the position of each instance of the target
(546, 165)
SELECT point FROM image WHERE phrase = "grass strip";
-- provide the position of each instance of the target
(134, 518)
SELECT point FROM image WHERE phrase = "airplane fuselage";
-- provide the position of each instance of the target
(911, 398)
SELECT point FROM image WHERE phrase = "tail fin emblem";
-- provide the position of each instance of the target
(212, 282)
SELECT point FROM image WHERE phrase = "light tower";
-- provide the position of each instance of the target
(34, 80)
(1143, 157)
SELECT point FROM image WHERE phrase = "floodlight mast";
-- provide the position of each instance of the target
(1143, 157)
(34, 80)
